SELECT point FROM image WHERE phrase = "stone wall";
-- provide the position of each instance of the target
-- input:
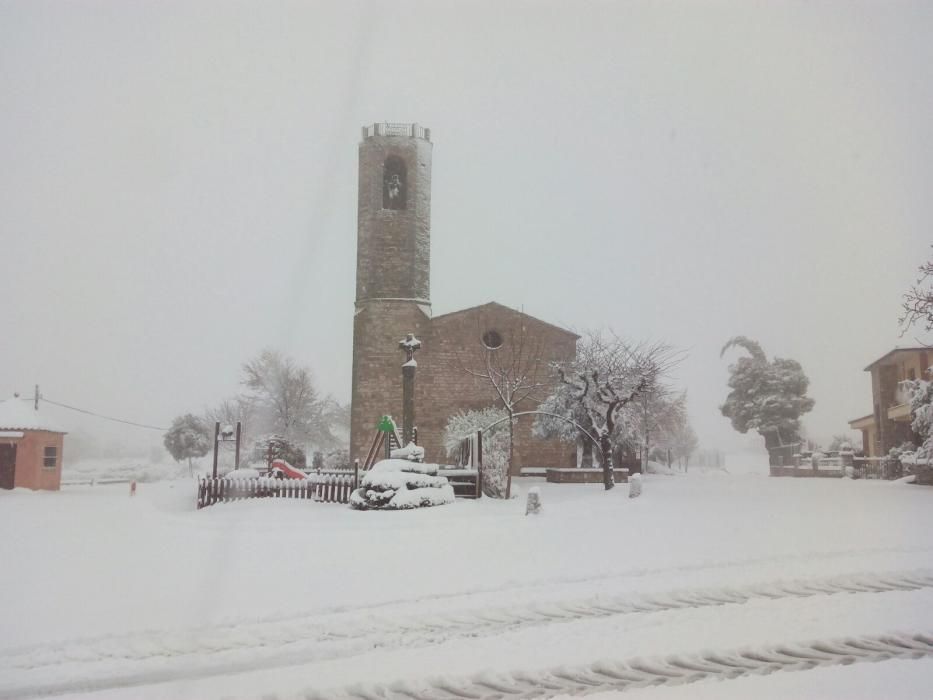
(393, 299)
(393, 246)
(445, 386)
(30, 470)
(377, 366)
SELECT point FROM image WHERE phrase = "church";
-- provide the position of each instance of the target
(393, 299)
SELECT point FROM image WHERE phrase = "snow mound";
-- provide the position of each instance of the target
(403, 465)
(397, 484)
(400, 480)
(411, 452)
(243, 474)
(658, 468)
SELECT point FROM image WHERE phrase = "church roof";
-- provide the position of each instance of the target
(494, 304)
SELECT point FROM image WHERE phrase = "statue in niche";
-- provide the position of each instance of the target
(393, 184)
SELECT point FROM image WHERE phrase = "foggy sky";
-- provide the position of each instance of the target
(178, 188)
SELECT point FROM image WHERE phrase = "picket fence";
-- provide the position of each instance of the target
(323, 488)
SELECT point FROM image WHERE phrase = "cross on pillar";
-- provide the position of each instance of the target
(408, 346)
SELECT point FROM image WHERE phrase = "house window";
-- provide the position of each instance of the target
(50, 458)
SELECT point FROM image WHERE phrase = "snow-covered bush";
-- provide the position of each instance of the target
(658, 468)
(634, 486)
(533, 505)
(188, 438)
(495, 445)
(920, 396)
(271, 447)
(397, 484)
(411, 452)
(337, 459)
(841, 443)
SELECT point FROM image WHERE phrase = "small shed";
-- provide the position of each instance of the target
(30, 448)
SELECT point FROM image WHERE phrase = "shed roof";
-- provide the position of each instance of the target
(18, 414)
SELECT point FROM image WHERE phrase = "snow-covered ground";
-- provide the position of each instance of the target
(103, 469)
(109, 596)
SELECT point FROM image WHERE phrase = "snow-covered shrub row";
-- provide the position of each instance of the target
(397, 484)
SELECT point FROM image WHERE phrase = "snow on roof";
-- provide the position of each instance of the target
(895, 351)
(18, 414)
(507, 308)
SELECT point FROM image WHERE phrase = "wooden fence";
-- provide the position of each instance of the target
(877, 468)
(326, 488)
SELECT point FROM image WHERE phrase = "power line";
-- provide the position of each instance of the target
(98, 415)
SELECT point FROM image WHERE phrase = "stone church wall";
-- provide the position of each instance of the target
(443, 387)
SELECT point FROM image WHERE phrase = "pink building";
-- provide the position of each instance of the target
(30, 448)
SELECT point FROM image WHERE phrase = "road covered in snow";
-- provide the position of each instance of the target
(708, 583)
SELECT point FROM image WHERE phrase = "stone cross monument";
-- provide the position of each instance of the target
(408, 346)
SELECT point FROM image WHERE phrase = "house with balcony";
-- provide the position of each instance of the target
(888, 425)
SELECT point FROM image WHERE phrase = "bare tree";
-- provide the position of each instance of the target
(608, 375)
(683, 440)
(284, 392)
(658, 410)
(918, 300)
(241, 408)
(512, 364)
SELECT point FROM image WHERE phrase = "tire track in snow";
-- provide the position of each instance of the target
(634, 673)
(507, 586)
(132, 660)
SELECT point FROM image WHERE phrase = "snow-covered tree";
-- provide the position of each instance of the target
(514, 367)
(189, 437)
(271, 447)
(495, 444)
(549, 426)
(683, 440)
(768, 397)
(841, 442)
(286, 403)
(917, 307)
(229, 411)
(657, 412)
(606, 378)
(920, 396)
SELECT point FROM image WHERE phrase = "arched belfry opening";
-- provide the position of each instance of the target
(394, 183)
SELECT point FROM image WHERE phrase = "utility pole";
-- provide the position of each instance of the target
(216, 437)
(35, 403)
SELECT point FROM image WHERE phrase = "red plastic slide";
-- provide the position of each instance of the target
(287, 469)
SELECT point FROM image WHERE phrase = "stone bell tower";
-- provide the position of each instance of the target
(393, 245)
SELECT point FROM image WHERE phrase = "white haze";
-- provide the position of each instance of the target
(178, 187)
